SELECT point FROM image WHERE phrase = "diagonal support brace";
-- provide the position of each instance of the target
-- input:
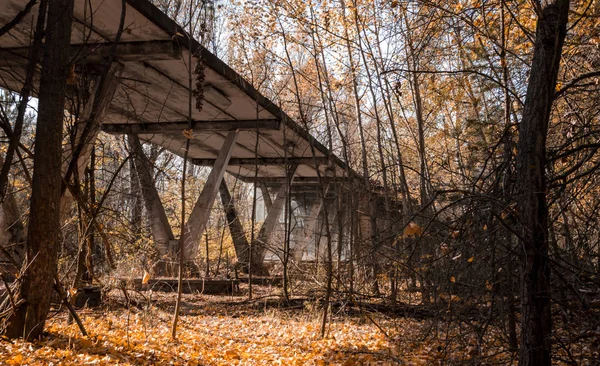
(201, 212)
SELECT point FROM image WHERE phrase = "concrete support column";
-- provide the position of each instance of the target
(89, 121)
(201, 212)
(157, 217)
(240, 242)
(307, 234)
(262, 240)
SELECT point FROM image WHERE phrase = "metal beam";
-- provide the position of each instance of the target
(97, 52)
(199, 126)
(321, 160)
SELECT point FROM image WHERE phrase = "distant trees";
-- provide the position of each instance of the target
(476, 109)
(473, 124)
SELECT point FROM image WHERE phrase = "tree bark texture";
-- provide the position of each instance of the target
(44, 220)
(536, 321)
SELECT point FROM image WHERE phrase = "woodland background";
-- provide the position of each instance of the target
(479, 118)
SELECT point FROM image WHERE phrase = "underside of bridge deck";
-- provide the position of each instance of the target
(139, 86)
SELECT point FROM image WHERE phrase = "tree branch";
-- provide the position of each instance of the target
(20, 15)
(574, 83)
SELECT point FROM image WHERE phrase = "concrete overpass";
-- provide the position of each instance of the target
(140, 86)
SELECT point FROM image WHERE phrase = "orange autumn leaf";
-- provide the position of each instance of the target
(188, 133)
(412, 229)
(146, 278)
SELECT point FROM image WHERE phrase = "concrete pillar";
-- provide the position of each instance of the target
(157, 217)
(90, 121)
(201, 212)
(240, 242)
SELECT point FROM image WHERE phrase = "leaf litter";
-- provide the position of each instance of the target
(209, 333)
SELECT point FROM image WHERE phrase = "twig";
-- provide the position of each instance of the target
(17, 19)
(10, 294)
(59, 289)
(9, 257)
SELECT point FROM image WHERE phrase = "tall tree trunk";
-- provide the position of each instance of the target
(536, 321)
(44, 226)
(367, 70)
(372, 209)
(412, 60)
(91, 242)
(136, 200)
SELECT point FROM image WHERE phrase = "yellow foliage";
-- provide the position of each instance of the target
(188, 133)
(412, 229)
(146, 278)
(231, 354)
(15, 360)
(209, 338)
(72, 77)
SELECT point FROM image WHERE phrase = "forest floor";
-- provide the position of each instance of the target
(229, 330)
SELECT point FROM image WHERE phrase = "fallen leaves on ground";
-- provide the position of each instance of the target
(232, 331)
(143, 337)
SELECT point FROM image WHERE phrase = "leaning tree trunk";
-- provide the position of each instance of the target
(536, 321)
(44, 227)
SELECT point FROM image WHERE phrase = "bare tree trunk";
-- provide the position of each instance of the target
(363, 144)
(183, 233)
(91, 241)
(424, 179)
(136, 201)
(375, 107)
(86, 238)
(536, 320)
(206, 243)
(44, 220)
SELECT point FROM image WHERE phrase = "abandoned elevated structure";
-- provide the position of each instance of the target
(133, 64)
